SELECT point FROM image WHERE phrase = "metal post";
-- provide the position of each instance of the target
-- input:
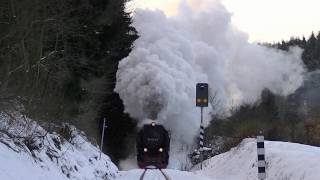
(201, 138)
(102, 136)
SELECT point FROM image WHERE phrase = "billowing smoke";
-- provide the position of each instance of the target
(199, 44)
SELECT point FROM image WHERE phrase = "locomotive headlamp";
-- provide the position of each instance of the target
(153, 124)
(145, 149)
(160, 150)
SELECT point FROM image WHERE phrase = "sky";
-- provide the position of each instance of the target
(263, 20)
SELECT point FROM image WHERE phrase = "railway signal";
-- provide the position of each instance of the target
(202, 95)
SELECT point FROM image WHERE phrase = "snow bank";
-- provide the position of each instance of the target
(27, 151)
(285, 161)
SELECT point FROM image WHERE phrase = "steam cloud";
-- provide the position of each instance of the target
(157, 80)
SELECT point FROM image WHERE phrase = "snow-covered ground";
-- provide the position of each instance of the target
(28, 152)
(285, 161)
(156, 175)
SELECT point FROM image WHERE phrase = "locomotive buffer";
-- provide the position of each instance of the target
(202, 101)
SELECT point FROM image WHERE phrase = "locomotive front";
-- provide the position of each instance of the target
(153, 145)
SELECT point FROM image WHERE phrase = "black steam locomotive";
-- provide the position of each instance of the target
(153, 145)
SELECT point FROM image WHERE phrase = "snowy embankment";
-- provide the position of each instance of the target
(285, 161)
(27, 151)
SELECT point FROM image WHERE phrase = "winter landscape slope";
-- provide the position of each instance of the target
(29, 152)
(285, 161)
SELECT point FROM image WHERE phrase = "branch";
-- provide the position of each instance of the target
(15, 69)
(51, 54)
(8, 145)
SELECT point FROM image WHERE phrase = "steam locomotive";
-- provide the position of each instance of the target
(153, 143)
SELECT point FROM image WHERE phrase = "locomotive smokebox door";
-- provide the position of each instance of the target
(202, 95)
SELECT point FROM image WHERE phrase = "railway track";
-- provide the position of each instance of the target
(166, 177)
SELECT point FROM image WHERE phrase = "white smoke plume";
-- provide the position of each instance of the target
(199, 44)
